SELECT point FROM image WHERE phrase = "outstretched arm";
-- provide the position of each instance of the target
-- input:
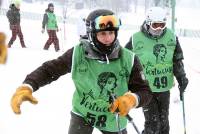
(45, 74)
(50, 71)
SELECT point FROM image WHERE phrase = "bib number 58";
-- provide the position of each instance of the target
(100, 121)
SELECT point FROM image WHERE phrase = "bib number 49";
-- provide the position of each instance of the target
(160, 82)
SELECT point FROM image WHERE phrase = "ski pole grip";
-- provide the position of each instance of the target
(181, 96)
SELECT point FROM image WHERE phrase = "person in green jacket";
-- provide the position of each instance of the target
(108, 79)
(161, 56)
(50, 22)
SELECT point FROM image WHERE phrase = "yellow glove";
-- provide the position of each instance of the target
(3, 48)
(23, 93)
(123, 104)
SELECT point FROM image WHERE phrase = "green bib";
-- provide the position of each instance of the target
(156, 57)
(94, 80)
(51, 24)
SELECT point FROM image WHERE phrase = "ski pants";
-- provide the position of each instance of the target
(156, 114)
(79, 126)
(16, 31)
(52, 39)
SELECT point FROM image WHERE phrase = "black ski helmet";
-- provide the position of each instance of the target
(91, 31)
(50, 5)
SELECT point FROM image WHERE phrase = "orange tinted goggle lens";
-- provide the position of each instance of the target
(104, 22)
(157, 25)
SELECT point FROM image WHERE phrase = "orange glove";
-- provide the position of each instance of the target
(124, 103)
(3, 48)
(23, 93)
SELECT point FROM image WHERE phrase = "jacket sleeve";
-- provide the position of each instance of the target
(178, 66)
(44, 21)
(50, 71)
(10, 16)
(138, 84)
(56, 22)
(129, 44)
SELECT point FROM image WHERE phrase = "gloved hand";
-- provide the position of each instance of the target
(182, 84)
(3, 48)
(23, 93)
(124, 103)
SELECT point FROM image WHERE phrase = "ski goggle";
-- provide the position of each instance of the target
(158, 25)
(109, 22)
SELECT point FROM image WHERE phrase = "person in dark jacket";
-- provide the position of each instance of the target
(108, 78)
(161, 56)
(13, 16)
(50, 22)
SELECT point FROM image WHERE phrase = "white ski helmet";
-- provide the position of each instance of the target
(156, 18)
(156, 14)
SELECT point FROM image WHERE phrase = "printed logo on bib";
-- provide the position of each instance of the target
(124, 72)
(99, 102)
(160, 52)
(82, 67)
(171, 43)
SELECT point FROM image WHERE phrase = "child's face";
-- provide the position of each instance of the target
(106, 37)
(51, 8)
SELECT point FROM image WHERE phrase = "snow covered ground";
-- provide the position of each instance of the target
(52, 114)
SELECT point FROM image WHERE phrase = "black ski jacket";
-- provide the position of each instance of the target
(13, 15)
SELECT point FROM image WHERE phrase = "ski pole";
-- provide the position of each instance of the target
(130, 119)
(183, 107)
(117, 122)
(116, 114)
